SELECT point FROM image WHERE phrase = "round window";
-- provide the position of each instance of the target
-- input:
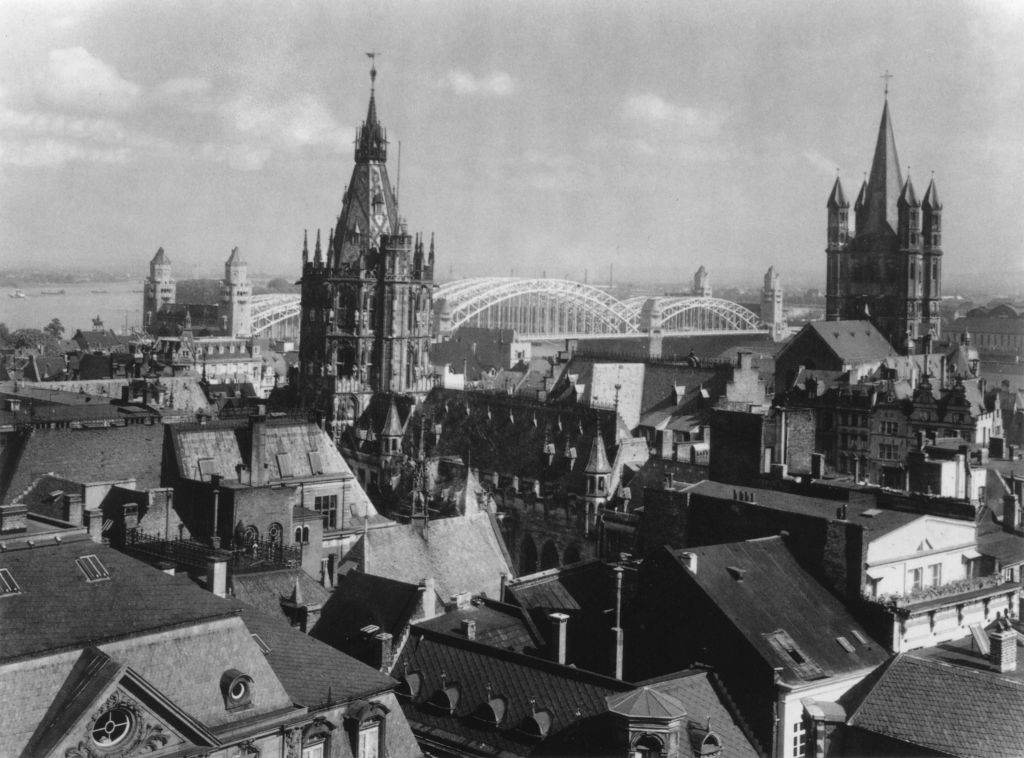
(238, 689)
(112, 727)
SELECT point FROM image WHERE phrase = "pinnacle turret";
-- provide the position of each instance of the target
(837, 198)
(862, 196)
(907, 195)
(931, 197)
(371, 139)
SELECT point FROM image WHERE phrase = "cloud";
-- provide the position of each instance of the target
(301, 122)
(816, 159)
(183, 87)
(56, 152)
(73, 78)
(654, 109)
(495, 84)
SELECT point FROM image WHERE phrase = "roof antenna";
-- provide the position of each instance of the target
(887, 76)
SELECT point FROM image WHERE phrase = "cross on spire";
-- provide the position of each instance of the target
(886, 76)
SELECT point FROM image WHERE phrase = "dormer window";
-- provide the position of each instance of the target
(93, 568)
(8, 586)
(492, 712)
(447, 698)
(236, 689)
(537, 724)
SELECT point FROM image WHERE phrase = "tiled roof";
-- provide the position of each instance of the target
(571, 696)
(263, 590)
(311, 671)
(91, 455)
(360, 600)
(586, 585)
(462, 553)
(46, 495)
(761, 588)
(59, 609)
(946, 708)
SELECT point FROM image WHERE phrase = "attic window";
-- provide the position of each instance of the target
(871, 512)
(93, 569)
(284, 465)
(736, 572)
(845, 644)
(788, 651)
(7, 584)
(316, 465)
(207, 468)
(860, 637)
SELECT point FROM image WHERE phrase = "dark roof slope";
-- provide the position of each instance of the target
(264, 590)
(91, 455)
(497, 624)
(761, 588)
(311, 671)
(852, 341)
(58, 608)
(945, 707)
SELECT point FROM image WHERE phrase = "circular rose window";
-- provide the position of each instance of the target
(112, 727)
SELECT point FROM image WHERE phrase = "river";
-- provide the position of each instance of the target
(114, 302)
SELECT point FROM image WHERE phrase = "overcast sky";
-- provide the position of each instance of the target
(544, 136)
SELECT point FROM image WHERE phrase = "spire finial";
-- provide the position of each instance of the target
(886, 76)
(373, 67)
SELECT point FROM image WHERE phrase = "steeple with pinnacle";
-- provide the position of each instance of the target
(367, 300)
(889, 266)
(160, 288)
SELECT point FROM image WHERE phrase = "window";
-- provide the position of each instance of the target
(316, 466)
(112, 727)
(7, 584)
(916, 579)
(369, 740)
(799, 739)
(284, 465)
(890, 427)
(935, 574)
(92, 568)
(327, 507)
(313, 751)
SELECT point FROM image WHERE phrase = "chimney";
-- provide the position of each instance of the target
(217, 576)
(258, 446)
(504, 583)
(841, 512)
(214, 537)
(94, 523)
(383, 651)
(618, 649)
(559, 624)
(13, 518)
(1004, 646)
(428, 598)
(460, 601)
(130, 512)
(817, 465)
(73, 508)
(745, 358)
(469, 628)
(1011, 512)
(669, 480)
(690, 561)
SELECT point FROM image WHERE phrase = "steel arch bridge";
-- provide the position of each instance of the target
(562, 309)
(276, 315)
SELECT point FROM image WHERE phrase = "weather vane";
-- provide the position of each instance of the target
(373, 65)
(887, 76)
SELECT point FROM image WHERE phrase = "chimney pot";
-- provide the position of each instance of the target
(690, 561)
(217, 576)
(469, 628)
(559, 622)
(1004, 646)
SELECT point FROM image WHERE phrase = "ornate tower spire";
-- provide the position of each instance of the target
(305, 246)
(371, 139)
(884, 181)
(318, 256)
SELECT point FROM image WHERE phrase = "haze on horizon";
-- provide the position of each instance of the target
(535, 136)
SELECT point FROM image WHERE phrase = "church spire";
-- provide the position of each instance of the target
(371, 139)
(885, 180)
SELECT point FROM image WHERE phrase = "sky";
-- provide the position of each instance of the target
(557, 138)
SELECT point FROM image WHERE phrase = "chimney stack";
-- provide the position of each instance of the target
(690, 561)
(618, 649)
(384, 650)
(73, 508)
(469, 628)
(428, 598)
(559, 623)
(13, 518)
(258, 446)
(1004, 646)
(94, 523)
(217, 576)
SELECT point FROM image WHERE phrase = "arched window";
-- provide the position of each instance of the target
(298, 535)
(549, 556)
(305, 535)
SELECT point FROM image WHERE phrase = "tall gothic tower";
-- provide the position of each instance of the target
(236, 297)
(889, 268)
(160, 288)
(366, 302)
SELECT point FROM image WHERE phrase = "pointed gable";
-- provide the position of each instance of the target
(598, 461)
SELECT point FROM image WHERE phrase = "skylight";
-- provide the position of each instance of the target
(845, 644)
(93, 568)
(262, 645)
(7, 584)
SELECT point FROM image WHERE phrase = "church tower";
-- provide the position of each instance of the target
(701, 285)
(159, 290)
(771, 304)
(367, 300)
(236, 297)
(887, 269)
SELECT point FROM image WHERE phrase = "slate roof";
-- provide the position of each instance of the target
(761, 588)
(263, 590)
(91, 455)
(498, 625)
(136, 599)
(310, 670)
(572, 696)
(572, 588)
(879, 521)
(853, 342)
(360, 600)
(945, 707)
(46, 495)
(462, 553)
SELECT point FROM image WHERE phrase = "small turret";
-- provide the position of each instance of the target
(838, 215)
(931, 208)
(305, 246)
(909, 211)
(318, 255)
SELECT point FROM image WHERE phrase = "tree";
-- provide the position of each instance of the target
(55, 328)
